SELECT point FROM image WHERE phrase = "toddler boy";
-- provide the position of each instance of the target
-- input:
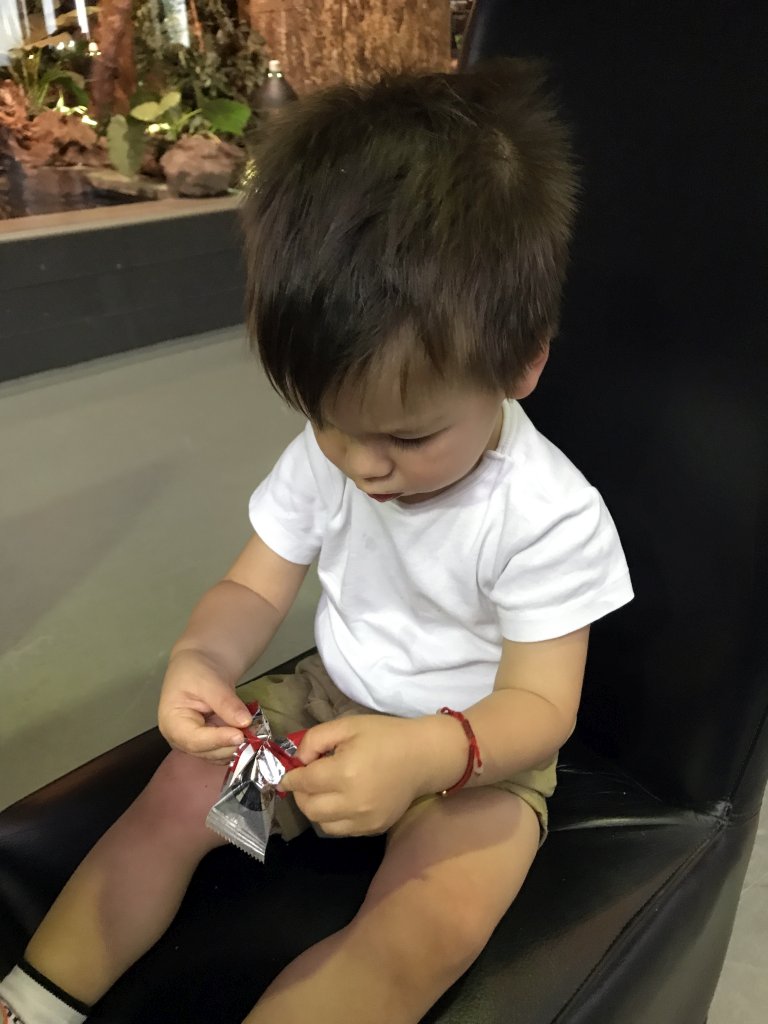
(407, 244)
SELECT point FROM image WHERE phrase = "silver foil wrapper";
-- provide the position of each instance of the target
(244, 812)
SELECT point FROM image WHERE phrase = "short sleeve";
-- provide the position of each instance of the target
(564, 571)
(289, 510)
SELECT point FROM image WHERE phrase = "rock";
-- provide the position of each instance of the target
(55, 140)
(150, 162)
(112, 183)
(202, 165)
(13, 106)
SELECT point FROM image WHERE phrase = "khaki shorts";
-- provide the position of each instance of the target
(310, 696)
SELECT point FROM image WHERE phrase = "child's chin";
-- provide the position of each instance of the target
(424, 494)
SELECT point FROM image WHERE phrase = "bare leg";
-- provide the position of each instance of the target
(451, 869)
(127, 890)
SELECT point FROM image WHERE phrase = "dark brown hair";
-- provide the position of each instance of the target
(432, 208)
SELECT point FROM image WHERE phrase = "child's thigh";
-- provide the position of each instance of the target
(452, 867)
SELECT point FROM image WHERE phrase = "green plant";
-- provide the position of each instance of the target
(225, 59)
(152, 110)
(127, 137)
(126, 143)
(225, 117)
(44, 79)
(164, 118)
(206, 86)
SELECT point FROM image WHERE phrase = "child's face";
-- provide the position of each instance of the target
(410, 450)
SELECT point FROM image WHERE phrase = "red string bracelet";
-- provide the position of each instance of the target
(474, 761)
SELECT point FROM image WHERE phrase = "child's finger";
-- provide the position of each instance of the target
(222, 755)
(190, 733)
(322, 808)
(324, 738)
(342, 827)
(288, 784)
(210, 739)
(228, 706)
(321, 776)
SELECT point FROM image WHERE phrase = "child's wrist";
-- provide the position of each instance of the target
(442, 746)
(192, 655)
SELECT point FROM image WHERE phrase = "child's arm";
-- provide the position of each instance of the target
(382, 763)
(229, 628)
(523, 723)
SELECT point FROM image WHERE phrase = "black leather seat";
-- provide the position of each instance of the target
(658, 390)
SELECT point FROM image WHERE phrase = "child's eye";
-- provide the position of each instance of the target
(410, 442)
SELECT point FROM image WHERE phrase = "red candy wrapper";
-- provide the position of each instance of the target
(244, 811)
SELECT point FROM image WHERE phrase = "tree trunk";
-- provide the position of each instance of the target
(113, 81)
(325, 41)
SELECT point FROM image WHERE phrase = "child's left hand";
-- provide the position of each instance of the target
(367, 784)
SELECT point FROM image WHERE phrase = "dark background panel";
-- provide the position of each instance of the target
(68, 298)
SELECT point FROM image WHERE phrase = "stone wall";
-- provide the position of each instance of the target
(325, 41)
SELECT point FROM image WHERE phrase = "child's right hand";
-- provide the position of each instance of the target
(199, 711)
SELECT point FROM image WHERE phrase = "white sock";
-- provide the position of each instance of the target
(34, 1001)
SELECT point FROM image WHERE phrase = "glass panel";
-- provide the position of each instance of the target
(124, 100)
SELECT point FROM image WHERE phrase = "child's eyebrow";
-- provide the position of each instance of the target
(411, 431)
(419, 427)
(433, 427)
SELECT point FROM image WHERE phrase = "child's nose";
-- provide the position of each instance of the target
(367, 462)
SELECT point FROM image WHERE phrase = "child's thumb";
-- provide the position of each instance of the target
(231, 709)
(322, 739)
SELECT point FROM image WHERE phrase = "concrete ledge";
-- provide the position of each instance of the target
(91, 283)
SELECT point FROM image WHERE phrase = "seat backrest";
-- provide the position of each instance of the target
(658, 384)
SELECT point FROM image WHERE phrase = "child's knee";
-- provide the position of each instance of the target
(458, 930)
(178, 797)
(433, 931)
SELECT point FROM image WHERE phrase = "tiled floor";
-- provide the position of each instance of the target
(124, 493)
(742, 995)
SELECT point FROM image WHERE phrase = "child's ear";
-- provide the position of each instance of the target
(526, 385)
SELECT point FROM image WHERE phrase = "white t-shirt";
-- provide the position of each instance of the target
(417, 598)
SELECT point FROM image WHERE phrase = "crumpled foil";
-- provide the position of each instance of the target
(244, 812)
